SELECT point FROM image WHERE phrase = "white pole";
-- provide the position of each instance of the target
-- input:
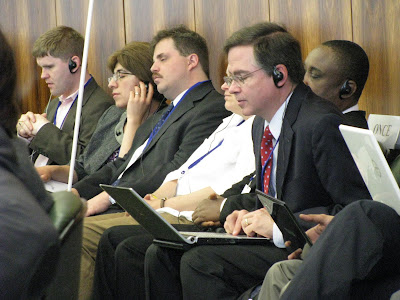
(80, 94)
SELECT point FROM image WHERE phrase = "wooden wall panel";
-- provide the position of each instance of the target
(376, 29)
(370, 23)
(143, 18)
(313, 21)
(23, 22)
(107, 31)
(217, 20)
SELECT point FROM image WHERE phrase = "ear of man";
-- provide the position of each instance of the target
(193, 61)
(280, 75)
(348, 89)
(73, 64)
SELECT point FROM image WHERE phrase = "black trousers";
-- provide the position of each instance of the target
(207, 272)
(357, 257)
(119, 270)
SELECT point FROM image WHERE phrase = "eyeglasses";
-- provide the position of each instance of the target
(238, 79)
(117, 76)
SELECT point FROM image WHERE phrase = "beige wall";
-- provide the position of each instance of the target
(370, 23)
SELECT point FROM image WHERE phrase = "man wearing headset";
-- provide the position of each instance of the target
(307, 165)
(337, 71)
(59, 53)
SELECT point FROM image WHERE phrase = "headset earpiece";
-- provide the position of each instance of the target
(277, 76)
(345, 89)
(72, 66)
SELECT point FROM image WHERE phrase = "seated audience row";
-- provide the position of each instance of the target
(116, 128)
(293, 144)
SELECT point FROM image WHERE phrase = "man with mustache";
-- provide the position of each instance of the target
(165, 140)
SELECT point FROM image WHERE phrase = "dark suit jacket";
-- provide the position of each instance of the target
(27, 232)
(193, 120)
(315, 171)
(56, 144)
(355, 118)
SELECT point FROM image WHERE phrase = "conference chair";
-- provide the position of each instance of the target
(58, 277)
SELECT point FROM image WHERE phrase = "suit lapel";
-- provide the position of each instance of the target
(258, 129)
(70, 118)
(286, 137)
(186, 104)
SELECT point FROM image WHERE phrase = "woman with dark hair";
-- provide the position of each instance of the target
(26, 231)
(135, 100)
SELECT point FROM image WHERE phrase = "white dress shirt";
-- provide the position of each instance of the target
(222, 167)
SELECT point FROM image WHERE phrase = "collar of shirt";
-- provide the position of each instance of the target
(275, 125)
(70, 98)
(353, 108)
(179, 98)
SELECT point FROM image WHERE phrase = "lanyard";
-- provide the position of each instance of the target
(219, 144)
(153, 133)
(266, 162)
(59, 103)
(201, 158)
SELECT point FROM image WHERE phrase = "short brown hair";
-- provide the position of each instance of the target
(9, 105)
(137, 59)
(61, 42)
(186, 42)
(272, 45)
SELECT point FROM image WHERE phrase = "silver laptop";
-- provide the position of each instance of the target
(164, 233)
(372, 165)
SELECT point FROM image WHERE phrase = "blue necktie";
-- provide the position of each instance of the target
(155, 130)
(161, 121)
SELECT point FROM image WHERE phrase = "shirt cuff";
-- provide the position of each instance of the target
(222, 204)
(278, 237)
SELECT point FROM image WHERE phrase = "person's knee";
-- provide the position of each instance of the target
(198, 258)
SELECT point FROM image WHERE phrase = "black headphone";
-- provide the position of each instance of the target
(72, 66)
(277, 76)
(345, 89)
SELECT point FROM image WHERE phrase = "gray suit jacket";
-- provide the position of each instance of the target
(55, 143)
(193, 120)
(102, 144)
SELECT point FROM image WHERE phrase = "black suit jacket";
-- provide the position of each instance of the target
(315, 171)
(355, 118)
(193, 120)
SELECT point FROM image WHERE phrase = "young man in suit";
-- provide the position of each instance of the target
(59, 53)
(305, 162)
(180, 71)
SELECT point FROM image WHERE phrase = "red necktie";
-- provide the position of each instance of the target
(266, 149)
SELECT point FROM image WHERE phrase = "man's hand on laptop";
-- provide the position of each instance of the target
(98, 204)
(233, 223)
(259, 223)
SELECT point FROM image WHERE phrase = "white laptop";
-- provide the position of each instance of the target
(373, 166)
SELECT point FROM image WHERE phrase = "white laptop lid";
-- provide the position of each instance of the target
(373, 166)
